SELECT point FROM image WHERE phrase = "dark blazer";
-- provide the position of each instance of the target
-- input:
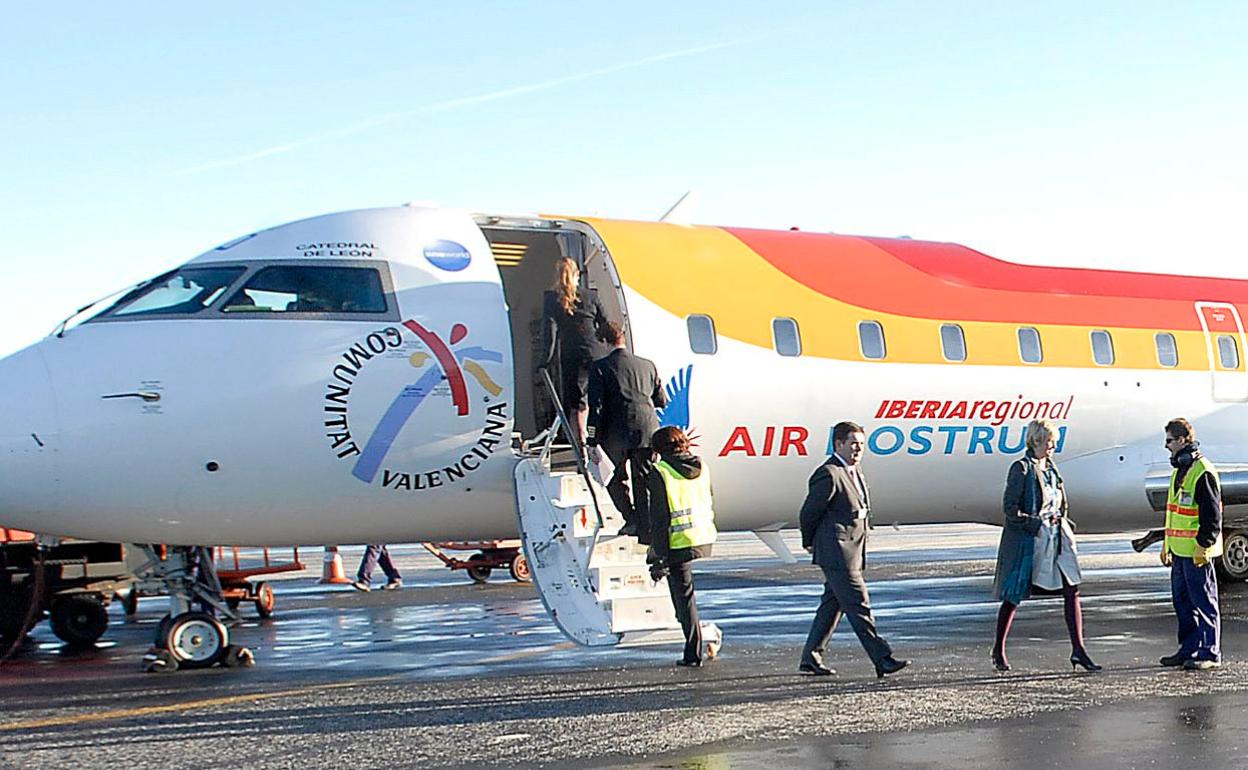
(827, 519)
(570, 337)
(624, 391)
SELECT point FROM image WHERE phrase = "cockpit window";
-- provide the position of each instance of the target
(179, 293)
(308, 289)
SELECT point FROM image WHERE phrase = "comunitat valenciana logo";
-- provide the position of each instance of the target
(451, 373)
(447, 255)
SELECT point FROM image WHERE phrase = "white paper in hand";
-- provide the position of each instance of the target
(600, 467)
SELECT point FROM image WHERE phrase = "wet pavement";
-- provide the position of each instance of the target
(448, 673)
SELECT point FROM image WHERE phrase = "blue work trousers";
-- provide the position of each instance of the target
(1195, 593)
(375, 555)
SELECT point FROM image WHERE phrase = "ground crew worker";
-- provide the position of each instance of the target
(682, 528)
(1193, 538)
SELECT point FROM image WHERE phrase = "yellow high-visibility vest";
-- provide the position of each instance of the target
(689, 500)
(1183, 515)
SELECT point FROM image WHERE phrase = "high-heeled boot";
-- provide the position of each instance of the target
(1080, 658)
(1074, 624)
(1005, 617)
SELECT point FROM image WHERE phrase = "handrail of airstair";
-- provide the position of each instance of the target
(561, 421)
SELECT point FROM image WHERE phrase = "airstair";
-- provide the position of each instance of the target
(594, 583)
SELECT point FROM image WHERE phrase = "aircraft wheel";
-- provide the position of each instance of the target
(79, 620)
(197, 640)
(478, 572)
(519, 569)
(1233, 564)
(265, 599)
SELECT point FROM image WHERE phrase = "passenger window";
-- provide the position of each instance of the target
(702, 334)
(1102, 348)
(871, 339)
(1167, 350)
(308, 289)
(786, 337)
(1029, 345)
(182, 292)
(952, 342)
(1228, 351)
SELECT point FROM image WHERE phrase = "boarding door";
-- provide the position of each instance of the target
(1225, 345)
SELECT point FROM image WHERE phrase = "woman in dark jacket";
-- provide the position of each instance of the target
(678, 541)
(570, 317)
(1037, 544)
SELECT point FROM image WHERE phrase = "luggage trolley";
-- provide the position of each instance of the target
(236, 567)
(490, 554)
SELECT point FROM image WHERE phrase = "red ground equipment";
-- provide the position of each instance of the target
(490, 554)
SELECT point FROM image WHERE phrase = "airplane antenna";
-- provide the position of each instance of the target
(682, 210)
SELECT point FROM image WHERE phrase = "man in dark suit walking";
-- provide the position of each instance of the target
(834, 530)
(624, 391)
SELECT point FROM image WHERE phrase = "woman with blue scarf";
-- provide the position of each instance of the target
(1037, 547)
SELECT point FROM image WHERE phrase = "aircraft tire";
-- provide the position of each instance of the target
(197, 640)
(79, 620)
(519, 569)
(478, 572)
(265, 599)
(1233, 564)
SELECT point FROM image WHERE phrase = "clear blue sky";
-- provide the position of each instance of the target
(136, 135)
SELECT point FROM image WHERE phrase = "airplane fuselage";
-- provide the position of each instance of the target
(248, 413)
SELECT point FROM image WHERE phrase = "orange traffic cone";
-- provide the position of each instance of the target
(331, 568)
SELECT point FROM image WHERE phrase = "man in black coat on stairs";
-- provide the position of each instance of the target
(624, 391)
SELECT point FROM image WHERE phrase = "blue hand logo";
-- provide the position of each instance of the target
(677, 410)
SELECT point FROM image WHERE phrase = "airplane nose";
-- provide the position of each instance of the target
(29, 434)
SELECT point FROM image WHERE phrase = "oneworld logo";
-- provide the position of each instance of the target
(447, 255)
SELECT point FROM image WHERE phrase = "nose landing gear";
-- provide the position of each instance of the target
(189, 637)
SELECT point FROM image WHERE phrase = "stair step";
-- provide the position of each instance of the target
(640, 613)
(619, 550)
(567, 490)
(617, 580)
(653, 636)
(584, 520)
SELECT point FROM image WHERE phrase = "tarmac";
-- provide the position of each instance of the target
(447, 673)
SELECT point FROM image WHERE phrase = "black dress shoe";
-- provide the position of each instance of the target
(1174, 660)
(889, 665)
(689, 663)
(815, 669)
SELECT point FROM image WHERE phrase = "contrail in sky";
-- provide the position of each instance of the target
(452, 104)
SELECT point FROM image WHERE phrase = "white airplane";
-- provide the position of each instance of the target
(372, 376)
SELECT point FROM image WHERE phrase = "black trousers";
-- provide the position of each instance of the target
(637, 463)
(844, 593)
(680, 584)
